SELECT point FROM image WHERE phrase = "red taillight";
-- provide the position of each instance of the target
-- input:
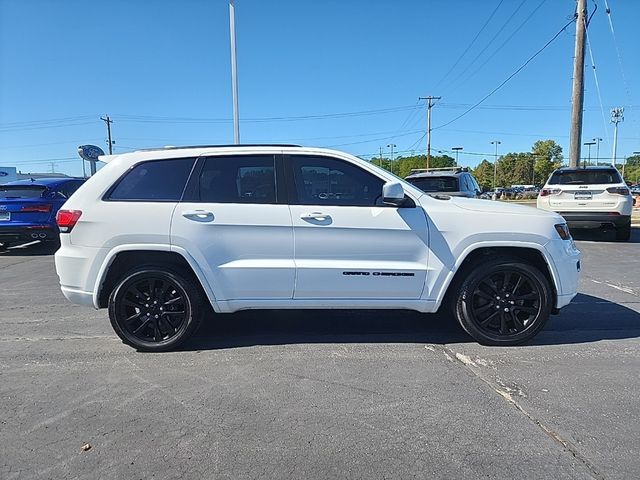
(36, 208)
(549, 191)
(67, 219)
(619, 190)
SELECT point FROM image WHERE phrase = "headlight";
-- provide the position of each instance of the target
(563, 231)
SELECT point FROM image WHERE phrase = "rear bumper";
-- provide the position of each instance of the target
(595, 219)
(11, 234)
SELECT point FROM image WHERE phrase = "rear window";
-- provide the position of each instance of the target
(154, 181)
(577, 177)
(20, 191)
(436, 184)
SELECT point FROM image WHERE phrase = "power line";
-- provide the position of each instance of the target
(509, 77)
(470, 44)
(517, 30)
(497, 34)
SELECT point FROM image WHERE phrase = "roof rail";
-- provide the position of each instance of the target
(440, 169)
(174, 147)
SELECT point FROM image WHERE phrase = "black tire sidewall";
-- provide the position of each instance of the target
(483, 270)
(192, 298)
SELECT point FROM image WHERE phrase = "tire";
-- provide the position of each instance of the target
(145, 306)
(517, 290)
(623, 234)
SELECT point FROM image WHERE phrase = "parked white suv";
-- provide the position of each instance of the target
(159, 236)
(591, 197)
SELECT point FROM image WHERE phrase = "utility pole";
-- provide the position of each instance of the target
(53, 167)
(617, 116)
(457, 150)
(429, 100)
(577, 98)
(234, 73)
(495, 163)
(108, 121)
(392, 146)
(380, 156)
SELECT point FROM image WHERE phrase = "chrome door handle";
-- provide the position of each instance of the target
(198, 215)
(315, 216)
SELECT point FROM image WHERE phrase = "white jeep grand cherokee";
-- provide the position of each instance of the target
(160, 236)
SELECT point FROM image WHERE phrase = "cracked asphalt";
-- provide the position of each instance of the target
(327, 394)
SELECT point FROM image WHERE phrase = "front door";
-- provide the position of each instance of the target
(348, 244)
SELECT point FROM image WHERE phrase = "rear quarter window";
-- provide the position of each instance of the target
(153, 181)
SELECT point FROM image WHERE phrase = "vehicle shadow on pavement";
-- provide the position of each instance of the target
(30, 250)
(595, 235)
(272, 327)
(587, 319)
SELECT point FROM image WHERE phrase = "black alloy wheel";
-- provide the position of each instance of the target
(504, 302)
(154, 309)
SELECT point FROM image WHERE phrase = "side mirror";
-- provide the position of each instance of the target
(393, 194)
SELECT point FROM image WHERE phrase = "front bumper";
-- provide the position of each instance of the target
(12, 234)
(566, 258)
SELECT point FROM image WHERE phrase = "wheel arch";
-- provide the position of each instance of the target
(121, 260)
(531, 253)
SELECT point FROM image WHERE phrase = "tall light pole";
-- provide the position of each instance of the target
(495, 163)
(617, 116)
(597, 140)
(392, 146)
(234, 73)
(589, 144)
(457, 150)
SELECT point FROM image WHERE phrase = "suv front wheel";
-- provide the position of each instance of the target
(503, 302)
(155, 309)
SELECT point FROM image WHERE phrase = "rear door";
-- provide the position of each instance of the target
(348, 244)
(235, 225)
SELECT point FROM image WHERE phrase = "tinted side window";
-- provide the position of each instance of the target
(238, 179)
(157, 180)
(329, 181)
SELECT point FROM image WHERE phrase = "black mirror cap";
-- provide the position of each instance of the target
(406, 202)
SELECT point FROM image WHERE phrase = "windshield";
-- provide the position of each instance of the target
(435, 184)
(576, 177)
(20, 191)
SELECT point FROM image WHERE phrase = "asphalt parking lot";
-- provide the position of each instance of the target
(298, 394)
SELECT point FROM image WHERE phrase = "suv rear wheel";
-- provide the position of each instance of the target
(155, 309)
(623, 234)
(503, 302)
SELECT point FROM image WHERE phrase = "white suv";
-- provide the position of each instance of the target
(590, 197)
(160, 236)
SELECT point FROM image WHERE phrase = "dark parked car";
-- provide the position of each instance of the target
(453, 181)
(28, 209)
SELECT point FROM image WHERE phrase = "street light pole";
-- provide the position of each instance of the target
(234, 73)
(597, 140)
(457, 150)
(392, 146)
(589, 145)
(495, 163)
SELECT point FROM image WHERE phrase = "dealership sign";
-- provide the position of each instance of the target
(90, 152)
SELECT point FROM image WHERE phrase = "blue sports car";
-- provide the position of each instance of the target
(28, 209)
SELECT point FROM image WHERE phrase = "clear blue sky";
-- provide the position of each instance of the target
(161, 70)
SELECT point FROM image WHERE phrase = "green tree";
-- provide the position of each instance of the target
(548, 155)
(484, 174)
